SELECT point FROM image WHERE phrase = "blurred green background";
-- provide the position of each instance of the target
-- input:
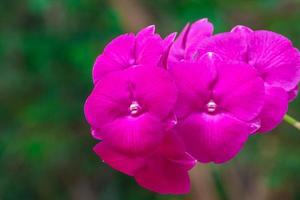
(47, 49)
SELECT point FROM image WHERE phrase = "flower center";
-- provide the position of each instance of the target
(211, 106)
(132, 61)
(134, 108)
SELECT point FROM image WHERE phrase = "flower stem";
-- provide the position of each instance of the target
(292, 121)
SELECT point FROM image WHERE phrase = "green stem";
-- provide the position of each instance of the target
(292, 121)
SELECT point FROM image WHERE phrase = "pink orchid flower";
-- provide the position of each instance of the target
(158, 105)
(275, 59)
(128, 109)
(218, 103)
(130, 112)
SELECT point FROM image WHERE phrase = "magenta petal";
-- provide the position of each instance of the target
(166, 171)
(275, 58)
(149, 51)
(177, 50)
(198, 31)
(180, 42)
(276, 105)
(193, 81)
(108, 101)
(202, 27)
(229, 46)
(174, 150)
(148, 47)
(293, 93)
(186, 45)
(169, 39)
(146, 32)
(125, 163)
(163, 176)
(116, 55)
(239, 90)
(155, 89)
(134, 135)
(216, 138)
(167, 43)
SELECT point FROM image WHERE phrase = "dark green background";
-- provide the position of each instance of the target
(47, 49)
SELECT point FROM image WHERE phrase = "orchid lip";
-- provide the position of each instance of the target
(131, 61)
(211, 106)
(210, 54)
(134, 108)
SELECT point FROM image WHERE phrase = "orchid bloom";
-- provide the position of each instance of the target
(130, 112)
(128, 109)
(159, 105)
(218, 103)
